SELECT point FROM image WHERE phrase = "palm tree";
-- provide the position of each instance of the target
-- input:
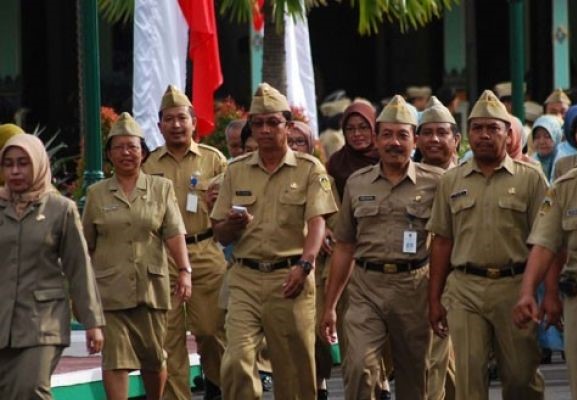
(407, 13)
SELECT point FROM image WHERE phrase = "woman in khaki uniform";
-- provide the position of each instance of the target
(128, 220)
(45, 262)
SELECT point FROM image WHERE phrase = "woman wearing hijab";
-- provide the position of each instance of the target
(300, 138)
(515, 145)
(129, 221)
(359, 151)
(567, 148)
(546, 133)
(45, 263)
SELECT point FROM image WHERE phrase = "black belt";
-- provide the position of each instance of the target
(264, 266)
(199, 237)
(392, 268)
(493, 272)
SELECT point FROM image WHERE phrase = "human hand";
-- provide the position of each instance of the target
(438, 319)
(183, 288)
(94, 340)
(328, 326)
(525, 311)
(294, 282)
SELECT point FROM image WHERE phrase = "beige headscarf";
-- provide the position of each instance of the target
(41, 174)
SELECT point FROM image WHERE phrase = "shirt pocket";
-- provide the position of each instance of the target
(292, 208)
(157, 270)
(365, 217)
(245, 201)
(569, 226)
(512, 214)
(461, 205)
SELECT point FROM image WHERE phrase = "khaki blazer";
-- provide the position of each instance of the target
(45, 262)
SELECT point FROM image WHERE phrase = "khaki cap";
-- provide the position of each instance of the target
(505, 89)
(397, 111)
(174, 98)
(532, 110)
(336, 107)
(436, 112)
(418, 91)
(7, 131)
(558, 96)
(267, 99)
(125, 125)
(434, 101)
(489, 106)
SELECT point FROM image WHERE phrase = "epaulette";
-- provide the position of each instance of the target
(430, 168)
(307, 157)
(362, 171)
(211, 148)
(240, 158)
(572, 174)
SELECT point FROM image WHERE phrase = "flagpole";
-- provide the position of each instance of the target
(90, 91)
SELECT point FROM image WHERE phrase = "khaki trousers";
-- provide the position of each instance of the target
(382, 306)
(479, 316)
(570, 316)
(323, 356)
(202, 316)
(257, 309)
(25, 372)
(441, 376)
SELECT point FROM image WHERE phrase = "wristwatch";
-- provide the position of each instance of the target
(307, 266)
(188, 270)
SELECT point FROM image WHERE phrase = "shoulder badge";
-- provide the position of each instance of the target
(547, 201)
(325, 182)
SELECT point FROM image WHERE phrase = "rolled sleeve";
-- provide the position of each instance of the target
(547, 230)
(346, 228)
(441, 222)
(320, 200)
(224, 199)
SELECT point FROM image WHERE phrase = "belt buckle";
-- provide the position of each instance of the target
(265, 267)
(390, 268)
(493, 273)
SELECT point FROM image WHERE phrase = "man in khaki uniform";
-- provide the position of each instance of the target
(382, 226)
(554, 233)
(438, 138)
(483, 212)
(191, 166)
(557, 103)
(266, 201)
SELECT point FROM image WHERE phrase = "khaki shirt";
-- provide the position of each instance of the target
(44, 262)
(556, 223)
(202, 161)
(564, 165)
(488, 219)
(376, 214)
(126, 240)
(281, 203)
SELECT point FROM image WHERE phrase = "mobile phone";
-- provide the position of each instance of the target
(240, 209)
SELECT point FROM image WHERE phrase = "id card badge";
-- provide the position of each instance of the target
(410, 242)
(191, 202)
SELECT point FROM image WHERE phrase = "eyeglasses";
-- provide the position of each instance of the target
(298, 142)
(131, 148)
(350, 130)
(271, 123)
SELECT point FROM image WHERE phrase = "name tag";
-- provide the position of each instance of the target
(572, 212)
(191, 202)
(410, 242)
(243, 193)
(367, 198)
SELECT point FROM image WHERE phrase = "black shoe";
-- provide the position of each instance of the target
(266, 380)
(546, 356)
(385, 395)
(212, 392)
(322, 394)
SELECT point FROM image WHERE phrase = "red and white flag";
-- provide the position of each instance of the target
(166, 32)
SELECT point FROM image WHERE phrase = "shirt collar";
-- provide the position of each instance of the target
(289, 158)
(114, 186)
(192, 149)
(376, 172)
(471, 166)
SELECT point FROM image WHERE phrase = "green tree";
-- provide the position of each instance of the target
(407, 13)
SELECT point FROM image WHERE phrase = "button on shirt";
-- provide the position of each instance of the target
(126, 239)
(375, 214)
(200, 161)
(488, 219)
(281, 202)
